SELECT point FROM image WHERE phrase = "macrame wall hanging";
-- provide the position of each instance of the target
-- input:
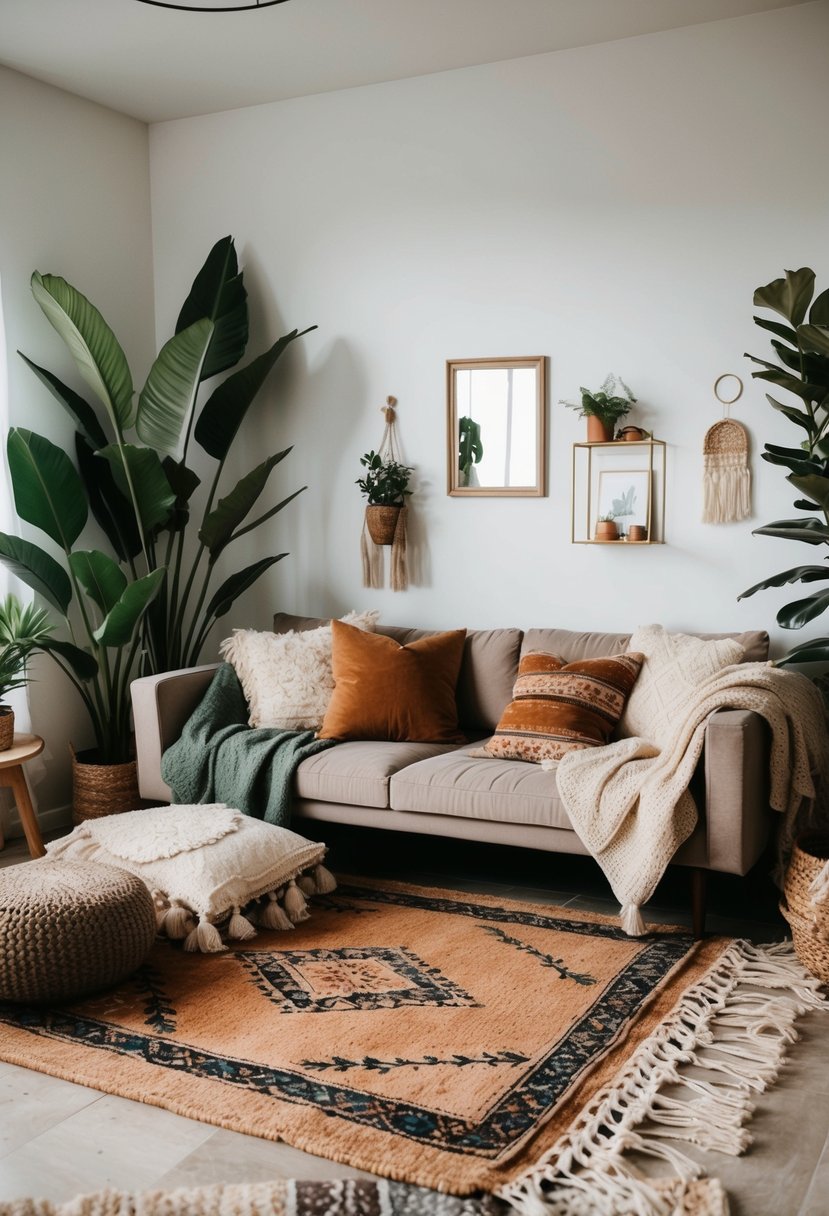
(386, 524)
(726, 479)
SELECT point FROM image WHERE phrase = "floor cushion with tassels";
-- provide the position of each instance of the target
(213, 872)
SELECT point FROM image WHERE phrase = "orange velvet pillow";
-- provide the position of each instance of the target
(559, 707)
(387, 691)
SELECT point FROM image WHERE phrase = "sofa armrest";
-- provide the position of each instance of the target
(160, 706)
(736, 773)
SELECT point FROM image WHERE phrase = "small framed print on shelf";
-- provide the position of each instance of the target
(624, 495)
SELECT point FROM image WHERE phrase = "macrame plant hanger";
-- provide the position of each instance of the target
(727, 479)
(386, 525)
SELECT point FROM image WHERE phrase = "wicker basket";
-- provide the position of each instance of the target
(102, 789)
(6, 728)
(381, 523)
(809, 921)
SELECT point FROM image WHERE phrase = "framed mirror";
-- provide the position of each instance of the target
(496, 413)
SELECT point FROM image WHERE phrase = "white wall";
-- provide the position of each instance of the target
(74, 201)
(613, 207)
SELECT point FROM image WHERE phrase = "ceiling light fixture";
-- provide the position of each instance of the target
(219, 6)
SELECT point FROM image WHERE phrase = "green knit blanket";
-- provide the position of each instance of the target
(219, 758)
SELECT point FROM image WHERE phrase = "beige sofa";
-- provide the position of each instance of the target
(440, 789)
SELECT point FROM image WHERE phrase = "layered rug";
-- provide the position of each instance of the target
(462, 1043)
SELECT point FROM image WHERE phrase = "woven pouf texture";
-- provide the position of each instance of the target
(69, 928)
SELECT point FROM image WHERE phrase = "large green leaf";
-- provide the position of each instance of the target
(812, 531)
(800, 612)
(48, 491)
(102, 579)
(815, 651)
(814, 486)
(112, 509)
(783, 331)
(814, 337)
(184, 483)
(83, 664)
(797, 574)
(38, 570)
(217, 527)
(153, 495)
(798, 417)
(92, 344)
(119, 625)
(792, 359)
(819, 312)
(170, 392)
(80, 410)
(236, 585)
(225, 409)
(789, 296)
(796, 459)
(801, 388)
(219, 294)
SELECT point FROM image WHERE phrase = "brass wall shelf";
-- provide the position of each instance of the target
(624, 479)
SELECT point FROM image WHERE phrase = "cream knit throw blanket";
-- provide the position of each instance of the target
(630, 804)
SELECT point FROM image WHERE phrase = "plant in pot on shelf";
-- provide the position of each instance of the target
(385, 486)
(606, 528)
(802, 346)
(23, 631)
(147, 604)
(603, 408)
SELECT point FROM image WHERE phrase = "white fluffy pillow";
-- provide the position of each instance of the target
(204, 864)
(287, 677)
(675, 667)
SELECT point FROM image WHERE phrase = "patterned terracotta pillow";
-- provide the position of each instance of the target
(559, 707)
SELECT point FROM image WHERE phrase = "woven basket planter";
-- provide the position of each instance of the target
(6, 728)
(381, 523)
(809, 922)
(102, 789)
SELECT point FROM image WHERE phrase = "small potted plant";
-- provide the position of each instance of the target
(604, 408)
(606, 528)
(385, 486)
(22, 630)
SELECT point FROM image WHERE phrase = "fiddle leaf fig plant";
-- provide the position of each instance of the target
(470, 447)
(802, 348)
(150, 603)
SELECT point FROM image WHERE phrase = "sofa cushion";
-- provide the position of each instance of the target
(560, 707)
(357, 774)
(508, 791)
(573, 644)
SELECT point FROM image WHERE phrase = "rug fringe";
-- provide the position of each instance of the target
(738, 1037)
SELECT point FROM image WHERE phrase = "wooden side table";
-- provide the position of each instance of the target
(24, 747)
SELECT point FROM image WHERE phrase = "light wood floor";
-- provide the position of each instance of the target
(58, 1139)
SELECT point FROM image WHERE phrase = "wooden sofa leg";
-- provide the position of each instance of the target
(698, 878)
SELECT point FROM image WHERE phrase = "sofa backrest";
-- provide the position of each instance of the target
(490, 658)
(572, 645)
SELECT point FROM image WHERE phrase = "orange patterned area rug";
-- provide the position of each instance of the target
(453, 1041)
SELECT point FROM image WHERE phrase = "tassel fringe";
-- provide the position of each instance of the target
(372, 559)
(631, 921)
(726, 489)
(282, 909)
(736, 1039)
(399, 560)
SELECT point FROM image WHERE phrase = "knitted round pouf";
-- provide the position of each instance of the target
(70, 927)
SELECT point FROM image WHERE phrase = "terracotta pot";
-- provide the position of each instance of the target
(632, 434)
(381, 523)
(598, 431)
(102, 789)
(606, 530)
(637, 532)
(6, 728)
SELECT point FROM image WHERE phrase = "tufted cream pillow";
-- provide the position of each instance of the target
(675, 667)
(287, 678)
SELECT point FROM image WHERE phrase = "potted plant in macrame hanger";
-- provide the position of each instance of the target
(385, 486)
(603, 408)
(22, 632)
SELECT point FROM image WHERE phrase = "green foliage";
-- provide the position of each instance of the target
(148, 604)
(470, 447)
(22, 632)
(611, 401)
(803, 372)
(385, 481)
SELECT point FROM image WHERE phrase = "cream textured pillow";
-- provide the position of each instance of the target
(287, 677)
(205, 864)
(675, 666)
